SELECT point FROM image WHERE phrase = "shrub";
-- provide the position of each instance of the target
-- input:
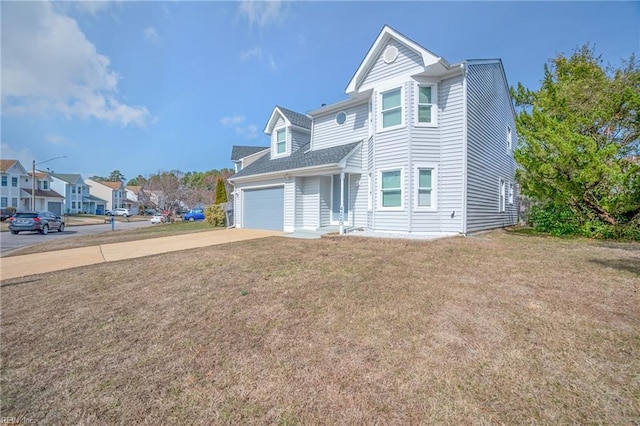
(215, 215)
(554, 219)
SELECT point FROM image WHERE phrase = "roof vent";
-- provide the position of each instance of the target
(390, 54)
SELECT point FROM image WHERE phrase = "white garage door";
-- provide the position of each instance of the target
(264, 208)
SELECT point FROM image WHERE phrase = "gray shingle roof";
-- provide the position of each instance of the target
(296, 118)
(67, 177)
(297, 160)
(239, 151)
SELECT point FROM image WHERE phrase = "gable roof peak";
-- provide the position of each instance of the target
(291, 118)
(387, 33)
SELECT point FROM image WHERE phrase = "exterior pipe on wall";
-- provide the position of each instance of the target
(341, 202)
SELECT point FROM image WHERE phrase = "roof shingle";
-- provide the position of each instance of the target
(241, 151)
(298, 160)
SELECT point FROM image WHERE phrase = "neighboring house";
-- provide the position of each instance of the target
(113, 192)
(76, 194)
(14, 177)
(16, 189)
(419, 146)
(131, 198)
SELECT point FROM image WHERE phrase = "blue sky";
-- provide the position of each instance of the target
(144, 87)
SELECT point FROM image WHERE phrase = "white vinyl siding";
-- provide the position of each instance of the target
(489, 113)
(299, 138)
(308, 202)
(326, 133)
(407, 63)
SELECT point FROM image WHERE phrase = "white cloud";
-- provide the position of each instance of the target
(249, 131)
(258, 54)
(232, 120)
(255, 53)
(23, 155)
(262, 13)
(92, 7)
(60, 72)
(151, 34)
(56, 139)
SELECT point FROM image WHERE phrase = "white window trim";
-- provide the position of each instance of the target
(511, 193)
(370, 192)
(502, 195)
(275, 142)
(509, 138)
(434, 103)
(402, 189)
(434, 186)
(403, 107)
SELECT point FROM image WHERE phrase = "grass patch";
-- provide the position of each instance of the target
(499, 328)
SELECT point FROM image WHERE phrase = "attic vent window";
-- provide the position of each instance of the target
(341, 118)
(390, 54)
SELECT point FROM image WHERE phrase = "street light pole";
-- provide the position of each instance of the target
(33, 179)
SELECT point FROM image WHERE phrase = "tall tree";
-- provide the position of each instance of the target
(116, 176)
(221, 192)
(579, 137)
(137, 181)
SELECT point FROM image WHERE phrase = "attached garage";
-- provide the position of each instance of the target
(55, 207)
(264, 208)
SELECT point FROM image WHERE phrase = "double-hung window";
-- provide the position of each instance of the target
(426, 181)
(45, 185)
(14, 182)
(426, 107)
(509, 138)
(391, 189)
(281, 141)
(503, 189)
(391, 108)
(4, 181)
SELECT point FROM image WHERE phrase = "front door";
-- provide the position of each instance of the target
(335, 199)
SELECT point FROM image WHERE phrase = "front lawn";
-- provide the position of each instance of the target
(496, 328)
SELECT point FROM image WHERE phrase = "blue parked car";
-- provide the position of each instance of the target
(194, 214)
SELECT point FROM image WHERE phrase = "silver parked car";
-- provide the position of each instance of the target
(42, 222)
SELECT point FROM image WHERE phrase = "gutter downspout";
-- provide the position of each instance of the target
(342, 202)
(410, 169)
(464, 148)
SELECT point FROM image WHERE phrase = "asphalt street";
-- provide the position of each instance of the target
(9, 242)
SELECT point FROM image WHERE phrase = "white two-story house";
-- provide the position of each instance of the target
(17, 189)
(113, 194)
(420, 145)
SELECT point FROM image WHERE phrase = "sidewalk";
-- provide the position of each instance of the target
(40, 263)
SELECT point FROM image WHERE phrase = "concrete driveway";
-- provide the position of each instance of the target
(40, 263)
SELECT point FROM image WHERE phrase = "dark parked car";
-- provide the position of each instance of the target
(5, 214)
(42, 222)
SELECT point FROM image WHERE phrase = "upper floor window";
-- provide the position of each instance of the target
(391, 189)
(281, 141)
(73, 189)
(14, 182)
(4, 181)
(509, 138)
(45, 185)
(425, 104)
(391, 110)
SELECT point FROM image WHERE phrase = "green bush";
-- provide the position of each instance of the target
(215, 215)
(555, 220)
(561, 221)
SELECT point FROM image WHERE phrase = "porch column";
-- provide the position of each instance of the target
(341, 202)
